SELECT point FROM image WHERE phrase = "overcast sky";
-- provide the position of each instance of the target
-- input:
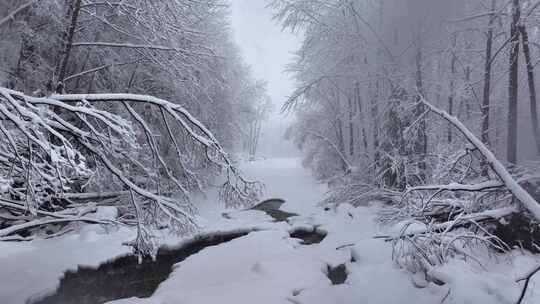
(267, 49)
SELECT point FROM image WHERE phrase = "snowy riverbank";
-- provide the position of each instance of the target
(268, 266)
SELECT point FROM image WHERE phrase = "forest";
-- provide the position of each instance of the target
(59, 149)
(140, 122)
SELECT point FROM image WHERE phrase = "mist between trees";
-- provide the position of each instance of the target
(395, 95)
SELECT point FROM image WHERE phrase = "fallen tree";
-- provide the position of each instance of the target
(526, 200)
(57, 149)
(462, 218)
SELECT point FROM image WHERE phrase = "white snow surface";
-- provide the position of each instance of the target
(268, 266)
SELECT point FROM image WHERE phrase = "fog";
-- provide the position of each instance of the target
(268, 49)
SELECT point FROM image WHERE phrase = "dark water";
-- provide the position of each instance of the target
(273, 204)
(124, 277)
(337, 275)
(519, 231)
(308, 237)
(271, 207)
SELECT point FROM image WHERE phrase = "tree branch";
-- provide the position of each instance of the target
(527, 201)
(21, 8)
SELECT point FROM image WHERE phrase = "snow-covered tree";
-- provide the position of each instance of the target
(64, 144)
(369, 73)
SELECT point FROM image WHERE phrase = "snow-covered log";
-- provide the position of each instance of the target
(483, 186)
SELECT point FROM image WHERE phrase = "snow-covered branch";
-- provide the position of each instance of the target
(494, 214)
(97, 69)
(521, 194)
(141, 46)
(48, 145)
(346, 165)
(483, 186)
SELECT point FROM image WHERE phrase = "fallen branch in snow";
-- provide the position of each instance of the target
(527, 278)
(420, 250)
(484, 186)
(40, 222)
(63, 214)
(458, 222)
(92, 195)
(344, 246)
(458, 218)
(527, 201)
(357, 194)
(17, 238)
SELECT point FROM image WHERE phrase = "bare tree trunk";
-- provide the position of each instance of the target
(513, 85)
(131, 80)
(255, 134)
(83, 68)
(17, 74)
(76, 87)
(375, 116)
(452, 84)
(351, 111)
(341, 140)
(362, 118)
(376, 95)
(487, 83)
(468, 110)
(61, 68)
(339, 123)
(420, 147)
(532, 87)
(251, 140)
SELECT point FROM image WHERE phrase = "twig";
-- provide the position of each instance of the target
(344, 246)
(527, 279)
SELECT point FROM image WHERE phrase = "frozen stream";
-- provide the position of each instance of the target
(316, 256)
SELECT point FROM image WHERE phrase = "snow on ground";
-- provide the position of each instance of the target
(271, 267)
(31, 269)
(268, 266)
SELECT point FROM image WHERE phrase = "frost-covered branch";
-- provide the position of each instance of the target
(103, 67)
(521, 194)
(458, 222)
(345, 163)
(483, 186)
(50, 145)
(140, 46)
